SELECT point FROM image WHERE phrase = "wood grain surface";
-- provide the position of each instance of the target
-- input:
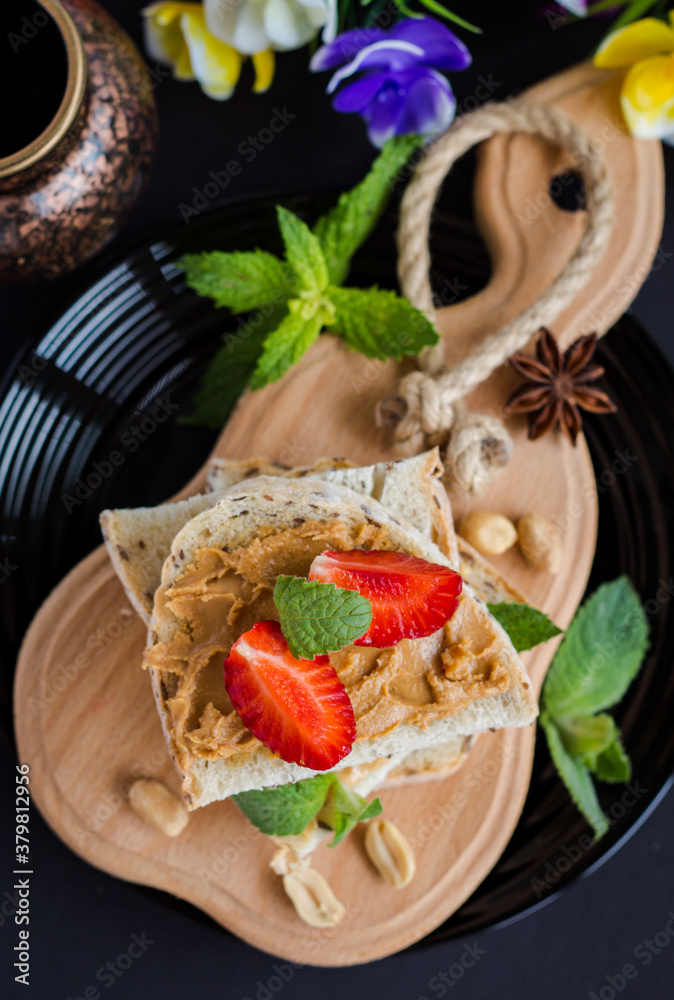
(85, 717)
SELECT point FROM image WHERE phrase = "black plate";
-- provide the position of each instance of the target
(138, 337)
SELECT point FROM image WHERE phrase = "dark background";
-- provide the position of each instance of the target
(81, 918)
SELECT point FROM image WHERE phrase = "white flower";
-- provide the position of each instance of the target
(253, 25)
(176, 34)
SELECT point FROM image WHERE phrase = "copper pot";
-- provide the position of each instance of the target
(66, 190)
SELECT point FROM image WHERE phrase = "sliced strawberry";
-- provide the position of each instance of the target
(297, 708)
(410, 597)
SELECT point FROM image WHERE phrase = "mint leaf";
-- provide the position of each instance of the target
(379, 323)
(613, 764)
(319, 618)
(600, 653)
(525, 626)
(586, 736)
(303, 251)
(241, 280)
(286, 810)
(342, 230)
(576, 777)
(285, 346)
(596, 740)
(230, 371)
(344, 808)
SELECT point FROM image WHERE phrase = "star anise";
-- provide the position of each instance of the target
(560, 386)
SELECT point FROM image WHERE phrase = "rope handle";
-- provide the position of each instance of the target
(426, 405)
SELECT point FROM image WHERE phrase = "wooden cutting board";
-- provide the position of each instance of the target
(85, 717)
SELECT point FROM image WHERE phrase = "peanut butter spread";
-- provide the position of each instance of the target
(219, 595)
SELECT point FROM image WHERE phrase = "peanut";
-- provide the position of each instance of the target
(490, 533)
(313, 899)
(539, 543)
(293, 852)
(158, 806)
(390, 853)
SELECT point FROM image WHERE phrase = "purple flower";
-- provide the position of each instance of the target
(398, 89)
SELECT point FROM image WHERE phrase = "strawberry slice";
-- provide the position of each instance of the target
(410, 597)
(297, 708)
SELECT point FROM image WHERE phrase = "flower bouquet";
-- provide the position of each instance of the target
(388, 62)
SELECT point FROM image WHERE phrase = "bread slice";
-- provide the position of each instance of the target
(236, 522)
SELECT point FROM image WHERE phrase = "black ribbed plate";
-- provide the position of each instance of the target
(138, 337)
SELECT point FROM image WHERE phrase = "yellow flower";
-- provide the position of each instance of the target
(176, 34)
(646, 49)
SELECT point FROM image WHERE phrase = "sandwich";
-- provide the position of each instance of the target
(201, 573)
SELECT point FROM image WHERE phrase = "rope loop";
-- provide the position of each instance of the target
(424, 411)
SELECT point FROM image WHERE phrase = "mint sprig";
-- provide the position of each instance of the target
(319, 618)
(594, 665)
(303, 293)
(286, 810)
(596, 662)
(525, 626)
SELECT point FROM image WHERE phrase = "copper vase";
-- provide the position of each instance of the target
(80, 110)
